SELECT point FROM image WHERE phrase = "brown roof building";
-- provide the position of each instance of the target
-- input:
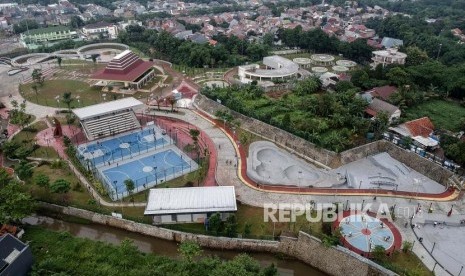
(126, 68)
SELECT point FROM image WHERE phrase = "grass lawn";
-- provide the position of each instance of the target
(259, 228)
(27, 137)
(406, 264)
(445, 114)
(76, 194)
(52, 88)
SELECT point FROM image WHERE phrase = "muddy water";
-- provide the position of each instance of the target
(162, 247)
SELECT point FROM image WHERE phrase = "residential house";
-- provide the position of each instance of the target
(420, 130)
(100, 30)
(382, 92)
(387, 57)
(389, 42)
(15, 256)
(377, 106)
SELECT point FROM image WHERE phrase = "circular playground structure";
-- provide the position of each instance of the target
(339, 69)
(319, 70)
(303, 62)
(103, 49)
(215, 83)
(322, 59)
(362, 232)
(346, 63)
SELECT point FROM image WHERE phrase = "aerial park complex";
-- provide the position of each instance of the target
(152, 142)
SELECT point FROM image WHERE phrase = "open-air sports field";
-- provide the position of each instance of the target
(147, 156)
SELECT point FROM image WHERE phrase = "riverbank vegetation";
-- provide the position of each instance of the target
(62, 254)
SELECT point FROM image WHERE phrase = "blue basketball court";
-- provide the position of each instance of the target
(148, 170)
(110, 150)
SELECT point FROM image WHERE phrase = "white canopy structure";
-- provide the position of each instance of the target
(191, 200)
(107, 107)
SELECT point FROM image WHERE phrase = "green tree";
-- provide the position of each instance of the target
(60, 186)
(67, 98)
(5, 177)
(172, 100)
(215, 223)
(379, 253)
(94, 58)
(415, 56)
(407, 246)
(189, 250)
(24, 170)
(130, 186)
(308, 86)
(230, 226)
(37, 76)
(398, 77)
(14, 203)
(42, 180)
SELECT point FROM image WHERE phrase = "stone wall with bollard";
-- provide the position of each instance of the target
(306, 248)
(325, 158)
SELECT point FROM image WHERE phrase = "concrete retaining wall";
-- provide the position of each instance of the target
(331, 260)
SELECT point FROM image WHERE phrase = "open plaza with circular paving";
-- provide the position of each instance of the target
(362, 232)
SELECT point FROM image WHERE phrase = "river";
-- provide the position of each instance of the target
(157, 246)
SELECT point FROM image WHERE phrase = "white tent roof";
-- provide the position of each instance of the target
(191, 200)
(427, 142)
(104, 108)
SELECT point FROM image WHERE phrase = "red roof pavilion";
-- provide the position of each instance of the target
(125, 67)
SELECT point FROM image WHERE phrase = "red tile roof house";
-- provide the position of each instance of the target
(420, 130)
(126, 68)
(383, 92)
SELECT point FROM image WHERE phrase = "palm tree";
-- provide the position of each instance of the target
(67, 99)
(172, 100)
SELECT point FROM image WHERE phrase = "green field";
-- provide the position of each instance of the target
(445, 114)
(51, 88)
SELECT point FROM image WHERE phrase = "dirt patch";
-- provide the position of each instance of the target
(277, 94)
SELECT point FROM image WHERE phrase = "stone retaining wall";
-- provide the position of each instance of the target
(323, 157)
(331, 260)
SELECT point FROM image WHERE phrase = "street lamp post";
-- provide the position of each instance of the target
(57, 98)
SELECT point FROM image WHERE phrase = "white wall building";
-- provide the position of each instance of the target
(388, 56)
(274, 67)
(100, 30)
